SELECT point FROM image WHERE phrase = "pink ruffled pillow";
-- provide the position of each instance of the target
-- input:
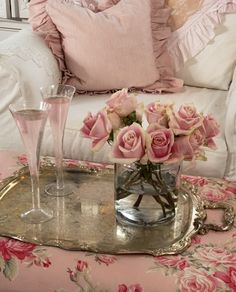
(109, 44)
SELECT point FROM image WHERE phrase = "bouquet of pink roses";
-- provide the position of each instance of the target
(147, 161)
(169, 137)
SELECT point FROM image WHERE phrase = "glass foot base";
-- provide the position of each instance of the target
(36, 216)
(52, 190)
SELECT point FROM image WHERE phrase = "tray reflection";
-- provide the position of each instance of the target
(86, 219)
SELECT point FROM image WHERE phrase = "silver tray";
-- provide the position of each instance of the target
(86, 219)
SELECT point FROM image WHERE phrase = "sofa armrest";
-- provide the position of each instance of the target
(32, 59)
(230, 130)
(26, 64)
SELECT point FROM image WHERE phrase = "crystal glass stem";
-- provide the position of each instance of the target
(31, 118)
(59, 97)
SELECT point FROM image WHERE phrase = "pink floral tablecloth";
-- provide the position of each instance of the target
(208, 265)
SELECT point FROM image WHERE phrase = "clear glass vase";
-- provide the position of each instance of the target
(146, 194)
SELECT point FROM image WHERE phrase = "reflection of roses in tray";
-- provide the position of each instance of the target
(170, 136)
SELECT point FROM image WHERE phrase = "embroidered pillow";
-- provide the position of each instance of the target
(121, 46)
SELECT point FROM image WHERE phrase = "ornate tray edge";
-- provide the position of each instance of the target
(199, 215)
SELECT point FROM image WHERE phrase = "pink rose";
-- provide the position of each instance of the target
(115, 120)
(229, 278)
(122, 103)
(156, 113)
(105, 259)
(11, 247)
(131, 288)
(97, 128)
(214, 194)
(215, 256)
(129, 145)
(212, 129)
(159, 143)
(182, 149)
(81, 266)
(185, 120)
(177, 262)
(196, 180)
(197, 138)
(192, 280)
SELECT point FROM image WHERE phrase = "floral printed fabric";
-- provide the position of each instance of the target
(208, 265)
(181, 10)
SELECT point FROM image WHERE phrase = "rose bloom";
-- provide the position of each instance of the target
(81, 266)
(122, 103)
(131, 288)
(182, 148)
(185, 120)
(215, 256)
(212, 129)
(214, 194)
(229, 278)
(105, 259)
(192, 280)
(156, 113)
(10, 248)
(97, 128)
(129, 145)
(159, 143)
(177, 262)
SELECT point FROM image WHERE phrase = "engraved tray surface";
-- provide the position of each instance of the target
(85, 220)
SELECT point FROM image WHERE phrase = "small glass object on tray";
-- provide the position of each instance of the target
(59, 97)
(30, 118)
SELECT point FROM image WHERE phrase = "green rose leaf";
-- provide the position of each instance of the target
(2, 264)
(11, 269)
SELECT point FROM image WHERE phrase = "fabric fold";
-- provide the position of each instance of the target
(161, 32)
(187, 41)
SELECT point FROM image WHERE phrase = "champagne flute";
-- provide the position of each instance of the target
(30, 118)
(59, 97)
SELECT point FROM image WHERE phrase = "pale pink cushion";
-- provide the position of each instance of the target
(121, 46)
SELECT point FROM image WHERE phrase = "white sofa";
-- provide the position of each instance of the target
(26, 64)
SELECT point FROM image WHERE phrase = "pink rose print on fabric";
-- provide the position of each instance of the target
(131, 288)
(105, 259)
(192, 279)
(215, 256)
(211, 193)
(177, 262)
(231, 190)
(12, 248)
(22, 159)
(81, 277)
(229, 277)
(71, 163)
(196, 239)
(196, 180)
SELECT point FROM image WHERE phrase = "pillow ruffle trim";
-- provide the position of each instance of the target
(161, 32)
(187, 41)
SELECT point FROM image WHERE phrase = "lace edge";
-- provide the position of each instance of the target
(182, 45)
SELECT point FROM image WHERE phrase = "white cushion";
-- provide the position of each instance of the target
(214, 66)
(23, 69)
